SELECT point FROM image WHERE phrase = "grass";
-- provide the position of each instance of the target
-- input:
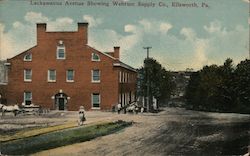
(35, 132)
(60, 138)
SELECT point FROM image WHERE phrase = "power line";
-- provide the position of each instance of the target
(147, 50)
(147, 72)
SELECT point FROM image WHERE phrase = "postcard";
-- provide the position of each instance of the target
(124, 77)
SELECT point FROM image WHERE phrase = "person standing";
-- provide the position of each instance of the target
(119, 106)
(82, 117)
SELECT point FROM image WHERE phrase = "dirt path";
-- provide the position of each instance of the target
(173, 131)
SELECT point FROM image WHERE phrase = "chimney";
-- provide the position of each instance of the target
(83, 30)
(40, 30)
(117, 52)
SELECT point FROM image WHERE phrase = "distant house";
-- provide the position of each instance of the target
(181, 79)
(3, 81)
(62, 72)
(3, 72)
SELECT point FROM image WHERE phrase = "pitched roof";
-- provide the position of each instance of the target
(118, 63)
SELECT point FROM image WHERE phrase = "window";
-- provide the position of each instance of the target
(27, 57)
(70, 75)
(96, 75)
(27, 98)
(27, 75)
(123, 77)
(128, 78)
(120, 77)
(52, 75)
(96, 100)
(60, 51)
(95, 57)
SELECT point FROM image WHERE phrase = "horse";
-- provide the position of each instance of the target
(15, 109)
(133, 107)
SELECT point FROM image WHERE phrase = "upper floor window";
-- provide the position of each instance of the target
(60, 51)
(70, 75)
(95, 57)
(96, 75)
(27, 57)
(27, 98)
(27, 75)
(51, 75)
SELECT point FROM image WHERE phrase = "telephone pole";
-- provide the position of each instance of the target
(147, 73)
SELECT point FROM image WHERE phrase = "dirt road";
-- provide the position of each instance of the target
(174, 131)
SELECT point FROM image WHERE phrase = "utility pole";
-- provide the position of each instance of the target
(147, 73)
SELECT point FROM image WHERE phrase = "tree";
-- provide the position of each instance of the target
(241, 85)
(220, 88)
(226, 91)
(160, 80)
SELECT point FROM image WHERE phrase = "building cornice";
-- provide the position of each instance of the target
(123, 65)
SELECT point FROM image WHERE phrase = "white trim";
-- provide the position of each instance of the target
(96, 108)
(57, 52)
(124, 66)
(48, 77)
(98, 60)
(102, 53)
(60, 42)
(67, 80)
(120, 76)
(126, 75)
(24, 96)
(27, 60)
(7, 64)
(24, 75)
(92, 76)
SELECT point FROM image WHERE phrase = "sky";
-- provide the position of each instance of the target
(180, 37)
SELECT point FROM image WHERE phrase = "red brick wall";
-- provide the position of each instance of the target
(78, 58)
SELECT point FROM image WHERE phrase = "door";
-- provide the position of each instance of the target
(61, 103)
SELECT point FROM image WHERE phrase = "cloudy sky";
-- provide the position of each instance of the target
(181, 37)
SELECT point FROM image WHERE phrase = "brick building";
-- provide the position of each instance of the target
(62, 72)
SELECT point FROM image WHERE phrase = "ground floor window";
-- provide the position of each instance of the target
(96, 100)
(27, 98)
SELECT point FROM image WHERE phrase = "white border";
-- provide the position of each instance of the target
(93, 59)
(92, 74)
(67, 75)
(27, 60)
(24, 75)
(48, 77)
(57, 53)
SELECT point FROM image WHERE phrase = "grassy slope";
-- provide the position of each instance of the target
(34, 132)
(60, 138)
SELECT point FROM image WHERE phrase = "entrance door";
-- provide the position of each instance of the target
(61, 103)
